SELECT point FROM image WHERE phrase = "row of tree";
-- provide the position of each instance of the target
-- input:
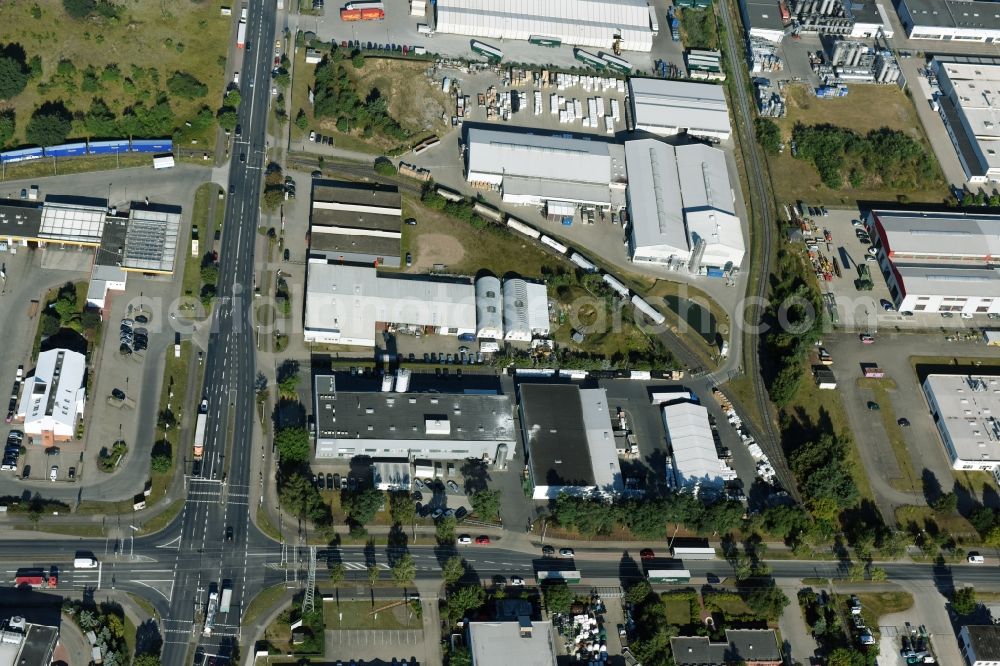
(648, 517)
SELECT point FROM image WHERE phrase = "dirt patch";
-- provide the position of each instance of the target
(436, 249)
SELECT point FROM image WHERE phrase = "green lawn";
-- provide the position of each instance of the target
(263, 603)
(69, 165)
(678, 611)
(161, 520)
(953, 523)
(264, 524)
(148, 42)
(360, 615)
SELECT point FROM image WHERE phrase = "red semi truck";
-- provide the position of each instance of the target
(35, 579)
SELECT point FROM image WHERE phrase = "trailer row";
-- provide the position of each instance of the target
(114, 146)
(586, 264)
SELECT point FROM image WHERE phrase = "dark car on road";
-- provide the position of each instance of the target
(229, 532)
(26, 472)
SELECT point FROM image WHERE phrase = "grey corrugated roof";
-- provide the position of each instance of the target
(365, 194)
(954, 13)
(985, 641)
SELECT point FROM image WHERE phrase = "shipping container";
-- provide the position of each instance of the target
(540, 40)
(107, 147)
(583, 262)
(163, 161)
(152, 146)
(694, 552)
(554, 244)
(668, 576)
(66, 150)
(589, 59)
(615, 285)
(572, 577)
(616, 63)
(522, 228)
(23, 155)
(647, 309)
(486, 211)
(449, 195)
(483, 49)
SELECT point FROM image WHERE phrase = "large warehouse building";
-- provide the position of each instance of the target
(535, 169)
(404, 424)
(596, 23)
(959, 20)
(965, 409)
(939, 261)
(695, 463)
(569, 440)
(664, 107)
(681, 207)
(355, 223)
(970, 109)
(348, 305)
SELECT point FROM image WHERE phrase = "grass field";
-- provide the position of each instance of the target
(867, 107)
(414, 101)
(186, 35)
(877, 604)
(40, 168)
(263, 603)
(359, 615)
(496, 251)
(203, 198)
(921, 516)
(678, 611)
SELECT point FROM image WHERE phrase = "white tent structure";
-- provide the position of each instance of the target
(594, 23)
(489, 308)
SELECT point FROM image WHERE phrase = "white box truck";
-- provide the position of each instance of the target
(84, 561)
(226, 598)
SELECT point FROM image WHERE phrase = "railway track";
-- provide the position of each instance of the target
(761, 203)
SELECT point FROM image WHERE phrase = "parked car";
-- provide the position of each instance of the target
(54, 473)
(418, 483)
(26, 472)
(453, 486)
(329, 481)
(483, 540)
(873, 406)
(464, 539)
(548, 550)
(976, 558)
(887, 305)
(336, 482)
(409, 259)
(71, 473)
(867, 338)
(904, 422)
(647, 554)
(437, 514)
(312, 135)
(516, 580)
(411, 221)
(566, 552)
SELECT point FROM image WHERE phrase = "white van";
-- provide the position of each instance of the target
(976, 558)
(236, 78)
(85, 562)
(424, 29)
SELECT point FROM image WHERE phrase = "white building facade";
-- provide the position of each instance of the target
(54, 397)
(665, 107)
(349, 304)
(595, 23)
(966, 410)
(682, 208)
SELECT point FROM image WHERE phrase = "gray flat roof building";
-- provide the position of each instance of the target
(965, 20)
(392, 424)
(522, 642)
(568, 440)
(980, 644)
(26, 644)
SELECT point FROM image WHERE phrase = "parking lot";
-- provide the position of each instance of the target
(893, 352)
(869, 311)
(30, 273)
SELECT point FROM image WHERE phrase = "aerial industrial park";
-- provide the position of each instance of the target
(474, 332)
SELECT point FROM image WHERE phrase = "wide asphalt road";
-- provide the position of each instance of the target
(194, 554)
